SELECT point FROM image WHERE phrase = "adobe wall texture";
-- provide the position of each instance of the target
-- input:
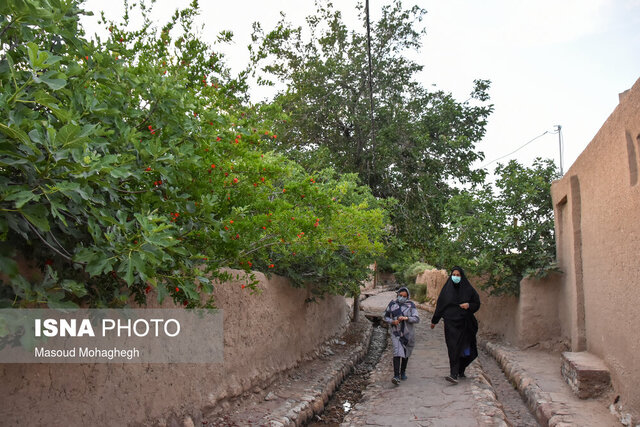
(597, 207)
(263, 334)
(529, 319)
(434, 280)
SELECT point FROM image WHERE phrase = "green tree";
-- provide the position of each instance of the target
(506, 233)
(424, 139)
(135, 163)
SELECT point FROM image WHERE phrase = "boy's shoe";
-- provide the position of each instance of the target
(452, 379)
(396, 380)
(403, 376)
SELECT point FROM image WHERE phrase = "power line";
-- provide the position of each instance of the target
(517, 149)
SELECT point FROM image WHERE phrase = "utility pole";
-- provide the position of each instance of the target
(559, 127)
(373, 130)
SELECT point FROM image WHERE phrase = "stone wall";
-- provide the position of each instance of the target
(264, 334)
(597, 208)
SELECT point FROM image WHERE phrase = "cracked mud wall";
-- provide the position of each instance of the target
(263, 335)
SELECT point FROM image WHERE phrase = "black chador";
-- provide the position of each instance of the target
(460, 325)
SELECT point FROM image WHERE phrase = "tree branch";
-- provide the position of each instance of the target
(50, 246)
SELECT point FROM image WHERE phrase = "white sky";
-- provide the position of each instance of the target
(550, 61)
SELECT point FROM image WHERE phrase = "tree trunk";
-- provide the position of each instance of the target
(356, 308)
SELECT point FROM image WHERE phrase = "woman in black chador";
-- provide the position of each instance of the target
(456, 304)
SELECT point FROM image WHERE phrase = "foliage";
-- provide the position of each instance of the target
(504, 237)
(409, 275)
(418, 292)
(424, 139)
(135, 163)
(412, 271)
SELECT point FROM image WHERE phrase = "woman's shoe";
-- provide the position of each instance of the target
(452, 379)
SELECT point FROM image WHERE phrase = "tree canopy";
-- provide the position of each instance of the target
(506, 232)
(422, 143)
(136, 162)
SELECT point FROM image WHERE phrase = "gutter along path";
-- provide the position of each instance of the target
(294, 397)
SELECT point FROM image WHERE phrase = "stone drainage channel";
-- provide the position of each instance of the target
(350, 391)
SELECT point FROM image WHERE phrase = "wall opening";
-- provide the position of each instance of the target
(560, 213)
(579, 341)
(633, 159)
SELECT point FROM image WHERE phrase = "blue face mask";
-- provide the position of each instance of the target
(402, 299)
(456, 279)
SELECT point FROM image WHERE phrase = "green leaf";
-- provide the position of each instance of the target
(140, 265)
(8, 266)
(15, 134)
(128, 277)
(85, 255)
(47, 100)
(37, 215)
(32, 50)
(55, 300)
(78, 289)
(69, 135)
(54, 79)
(98, 265)
(22, 197)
